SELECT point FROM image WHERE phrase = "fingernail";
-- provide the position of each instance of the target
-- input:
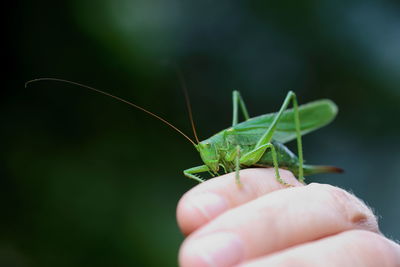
(217, 250)
(209, 204)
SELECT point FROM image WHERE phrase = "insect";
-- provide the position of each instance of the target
(255, 142)
(258, 141)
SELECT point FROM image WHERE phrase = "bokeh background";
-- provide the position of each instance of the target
(88, 181)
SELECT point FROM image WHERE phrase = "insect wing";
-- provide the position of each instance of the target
(313, 115)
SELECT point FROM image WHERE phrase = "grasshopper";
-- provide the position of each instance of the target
(258, 141)
(255, 142)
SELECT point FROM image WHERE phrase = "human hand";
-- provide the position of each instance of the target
(265, 224)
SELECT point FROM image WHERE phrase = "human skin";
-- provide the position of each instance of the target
(264, 223)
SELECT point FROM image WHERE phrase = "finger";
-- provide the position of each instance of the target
(276, 221)
(352, 248)
(215, 196)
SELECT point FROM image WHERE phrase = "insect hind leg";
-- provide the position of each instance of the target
(237, 99)
(266, 138)
(258, 152)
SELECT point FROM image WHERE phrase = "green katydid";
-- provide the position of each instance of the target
(256, 142)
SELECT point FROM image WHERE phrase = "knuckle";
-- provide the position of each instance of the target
(351, 209)
(189, 216)
(374, 246)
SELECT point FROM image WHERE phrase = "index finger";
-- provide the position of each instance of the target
(215, 196)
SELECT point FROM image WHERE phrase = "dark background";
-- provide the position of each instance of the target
(88, 181)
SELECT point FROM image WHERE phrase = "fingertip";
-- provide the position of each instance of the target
(221, 249)
(198, 208)
(208, 200)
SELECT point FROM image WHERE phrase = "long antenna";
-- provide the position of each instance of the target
(187, 100)
(115, 97)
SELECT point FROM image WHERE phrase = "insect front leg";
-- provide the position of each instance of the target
(237, 99)
(253, 156)
(233, 156)
(223, 167)
(191, 173)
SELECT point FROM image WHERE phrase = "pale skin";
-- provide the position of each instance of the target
(265, 223)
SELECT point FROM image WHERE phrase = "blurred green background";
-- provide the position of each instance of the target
(88, 181)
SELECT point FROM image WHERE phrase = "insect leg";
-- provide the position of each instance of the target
(191, 173)
(237, 99)
(237, 167)
(223, 167)
(252, 158)
(211, 173)
(274, 159)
